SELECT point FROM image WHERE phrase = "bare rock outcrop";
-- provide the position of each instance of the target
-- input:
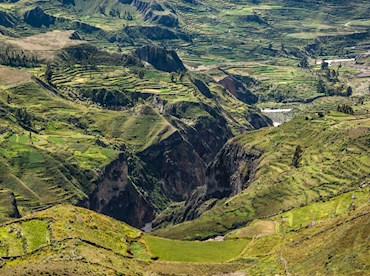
(117, 196)
(231, 172)
(239, 89)
(38, 18)
(162, 59)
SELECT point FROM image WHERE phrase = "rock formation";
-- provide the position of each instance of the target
(38, 18)
(160, 58)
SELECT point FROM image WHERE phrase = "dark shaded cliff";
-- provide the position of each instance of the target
(38, 18)
(160, 58)
(231, 171)
(117, 196)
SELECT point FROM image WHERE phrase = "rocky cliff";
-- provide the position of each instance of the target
(192, 164)
(177, 165)
(239, 89)
(38, 18)
(180, 160)
(160, 58)
(117, 196)
(231, 171)
(155, 33)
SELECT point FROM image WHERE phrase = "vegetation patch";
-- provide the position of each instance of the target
(196, 251)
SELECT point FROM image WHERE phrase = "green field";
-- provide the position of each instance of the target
(185, 251)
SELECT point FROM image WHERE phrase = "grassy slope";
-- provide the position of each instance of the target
(292, 23)
(336, 244)
(83, 239)
(70, 131)
(335, 160)
(323, 174)
(319, 238)
(222, 38)
(67, 239)
(34, 167)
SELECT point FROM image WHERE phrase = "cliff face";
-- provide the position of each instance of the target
(180, 161)
(203, 88)
(38, 18)
(177, 165)
(238, 89)
(160, 58)
(8, 205)
(14, 212)
(155, 33)
(115, 195)
(192, 164)
(258, 120)
(207, 133)
(230, 173)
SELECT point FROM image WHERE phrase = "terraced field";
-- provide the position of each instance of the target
(171, 88)
(86, 119)
(123, 79)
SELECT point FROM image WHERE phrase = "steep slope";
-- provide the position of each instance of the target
(319, 238)
(102, 123)
(306, 160)
(130, 108)
(9, 208)
(265, 39)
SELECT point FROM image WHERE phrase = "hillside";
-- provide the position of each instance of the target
(83, 119)
(236, 133)
(66, 239)
(263, 173)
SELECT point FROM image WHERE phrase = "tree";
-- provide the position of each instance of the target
(173, 77)
(303, 63)
(297, 156)
(48, 73)
(24, 118)
(324, 65)
(181, 77)
(141, 74)
(345, 108)
(321, 86)
(349, 91)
